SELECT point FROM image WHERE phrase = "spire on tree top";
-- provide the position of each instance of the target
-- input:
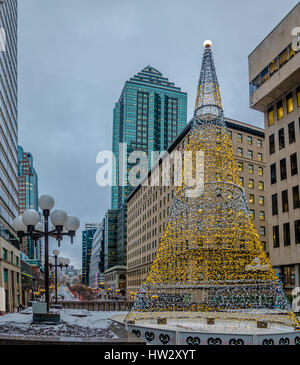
(208, 101)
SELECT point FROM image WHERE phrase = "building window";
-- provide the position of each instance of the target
(261, 200)
(276, 236)
(262, 231)
(272, 144)
(250, 154)
(283, 169)
(261, 185)
(273, 67)
(4, 254)
(259, 143)
(5, 275)
(239, 137)
(286, 234)
(270, 117)
(285, 201)
(281, 138)
(274, 204)
(259, 156)
(252, 213)
(260, 171)
(249, 139)
(294, 167)
(240, 151)
(251, 184)
(297, 231)
(283, 57)
(298, 96)
(292, 134)
(251, 198)
(250, 169)
(241, 180)
(273, 173)
(240, 166)
(279, 110)
(296, 197)
(262, 215)
(289, 103)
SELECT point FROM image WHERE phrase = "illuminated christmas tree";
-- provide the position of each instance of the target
(210, 258)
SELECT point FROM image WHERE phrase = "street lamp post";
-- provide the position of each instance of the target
(58, 262)
(28, 225)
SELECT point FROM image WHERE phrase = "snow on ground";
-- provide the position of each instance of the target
(95, 324)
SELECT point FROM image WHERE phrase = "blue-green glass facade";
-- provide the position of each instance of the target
(110, 239)
(150, 113)
(87, 243)
(148, 116)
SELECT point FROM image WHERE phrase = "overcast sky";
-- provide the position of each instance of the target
(75, 55)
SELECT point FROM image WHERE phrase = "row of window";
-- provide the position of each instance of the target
(239, 138)
(281, 138)
(285, 200)
(283, 168)
(250, 168)
(10, 257)
(289, 101)
(250, 154)
(286, 234)
(277, 63)
(251, 183)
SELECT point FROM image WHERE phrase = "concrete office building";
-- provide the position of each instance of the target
(149, 206)
(274, 76)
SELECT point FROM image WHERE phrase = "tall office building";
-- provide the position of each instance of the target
(87, 243)
(28, 197)
(274, 75)
(8, 120)
(148, 116)
(10, 275)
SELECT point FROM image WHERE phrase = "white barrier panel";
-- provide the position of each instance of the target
(155, 336)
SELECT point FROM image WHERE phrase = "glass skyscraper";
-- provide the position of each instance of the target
(28, 197)
(87, 243)
(8, 120)
(150, 113)
(148, 116)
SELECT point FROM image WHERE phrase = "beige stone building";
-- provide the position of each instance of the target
(274, 75)
(10, 277)
(149, 206)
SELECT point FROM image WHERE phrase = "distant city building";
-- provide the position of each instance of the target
(8, 121)
(87, 241)
(96, 276)
(274, 75)
(28, 198)
(149, 206)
